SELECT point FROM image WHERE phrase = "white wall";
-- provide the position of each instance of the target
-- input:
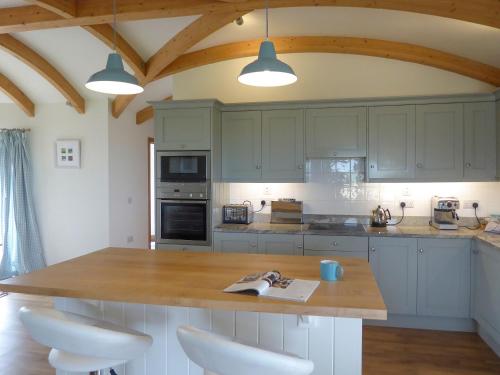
(72, 204)
(128, 174)
(325, 76)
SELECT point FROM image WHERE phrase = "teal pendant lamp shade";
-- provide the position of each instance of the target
(114, 79)
(267, 70)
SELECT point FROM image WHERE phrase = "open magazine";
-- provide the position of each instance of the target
(273, 285)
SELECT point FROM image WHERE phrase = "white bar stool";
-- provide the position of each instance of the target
(220, 355)
(80, 343)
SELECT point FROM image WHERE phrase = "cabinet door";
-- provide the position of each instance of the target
(336, 132)
(182, 129)
(394, 264)
(286, 244)
(444, 278)
(283, 145)
(480, 142)
(241, 146)
(439, 142)
(391, 142)
(235, 242)
(486, 288)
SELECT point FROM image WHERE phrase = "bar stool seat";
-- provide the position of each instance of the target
(80, 343)
(220, 355)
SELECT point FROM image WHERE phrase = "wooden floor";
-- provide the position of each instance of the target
(386, 351)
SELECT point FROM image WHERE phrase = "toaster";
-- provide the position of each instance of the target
(237, 214)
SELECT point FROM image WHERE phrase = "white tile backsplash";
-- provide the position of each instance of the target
(337, 187)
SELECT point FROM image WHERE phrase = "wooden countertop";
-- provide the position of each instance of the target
(197, 280)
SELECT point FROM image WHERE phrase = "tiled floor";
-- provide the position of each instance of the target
(386, 351)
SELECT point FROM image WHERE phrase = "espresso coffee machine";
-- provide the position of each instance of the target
(444, 212)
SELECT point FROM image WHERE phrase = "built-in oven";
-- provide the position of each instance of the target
(182, 167)
(183, 221)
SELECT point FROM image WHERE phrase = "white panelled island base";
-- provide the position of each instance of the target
(333, 344)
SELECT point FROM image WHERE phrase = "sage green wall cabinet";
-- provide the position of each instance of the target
(347, 246)
(182, 129)
(486, 284)
(394, 265)
(283, 244)
(391, 142)
(263, 146)
(439, 142)
(283, 145)
(336, 132)
(236, 242)
(241, 146)
(480, 141)
(444, 277)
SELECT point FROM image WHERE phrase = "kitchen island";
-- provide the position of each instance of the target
(155, 292)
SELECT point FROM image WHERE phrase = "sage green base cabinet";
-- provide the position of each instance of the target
(336, 132)
(393, 262)
(486, 292)
(439, 142)
(480, 142)
(429, 277)
(444, 277)
(183, 129)
(284, 244)
(391, 142)
(343, 246)
(265, 146)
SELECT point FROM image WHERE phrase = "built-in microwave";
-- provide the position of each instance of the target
(182, 167)
(183, 222)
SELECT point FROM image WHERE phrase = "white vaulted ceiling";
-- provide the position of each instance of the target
(77, 54)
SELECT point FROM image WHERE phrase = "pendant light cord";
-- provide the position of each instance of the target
(114, 25)
(267, 20)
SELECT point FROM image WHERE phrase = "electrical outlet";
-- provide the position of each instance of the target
(409, 203)
(469, 204)
(268, 190)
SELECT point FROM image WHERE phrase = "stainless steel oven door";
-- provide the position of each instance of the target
(183, 222)
(182, 167)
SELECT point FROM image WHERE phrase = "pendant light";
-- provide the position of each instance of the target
(267, 70)
(114, 79)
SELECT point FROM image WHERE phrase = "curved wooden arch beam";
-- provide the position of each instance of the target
(44, 68)
(89, 12)
(63, 8)
(147, 113)
(17, 96)
(332, 44)
(175, 47)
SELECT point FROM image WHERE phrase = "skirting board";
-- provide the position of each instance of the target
(495, 346)
(425, 322)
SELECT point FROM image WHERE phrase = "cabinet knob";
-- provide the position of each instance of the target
(257, 167)
(334, 243)
(468, 165)
(420, 165)
(299, 246)
(475, 251)
(334, 154)
(372, 166)
(372, 249)
(421, 251)
(299, 166)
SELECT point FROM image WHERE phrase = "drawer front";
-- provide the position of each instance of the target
(336, 243)
(333, 253)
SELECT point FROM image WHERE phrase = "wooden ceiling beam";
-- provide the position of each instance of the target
(89, 12)
(147, 113)
(175, 47)
(332, 44)
(31, 58)
(17, 95)
(63, 8)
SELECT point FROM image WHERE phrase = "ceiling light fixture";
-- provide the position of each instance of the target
(114, 79)
(267, 70)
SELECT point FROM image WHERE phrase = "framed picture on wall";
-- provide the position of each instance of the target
(68, 153)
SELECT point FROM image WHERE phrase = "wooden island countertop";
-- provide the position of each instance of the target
(197, 280)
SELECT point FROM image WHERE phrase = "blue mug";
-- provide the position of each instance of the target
(331, 270)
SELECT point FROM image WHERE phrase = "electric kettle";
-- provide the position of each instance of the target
(380, 217)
